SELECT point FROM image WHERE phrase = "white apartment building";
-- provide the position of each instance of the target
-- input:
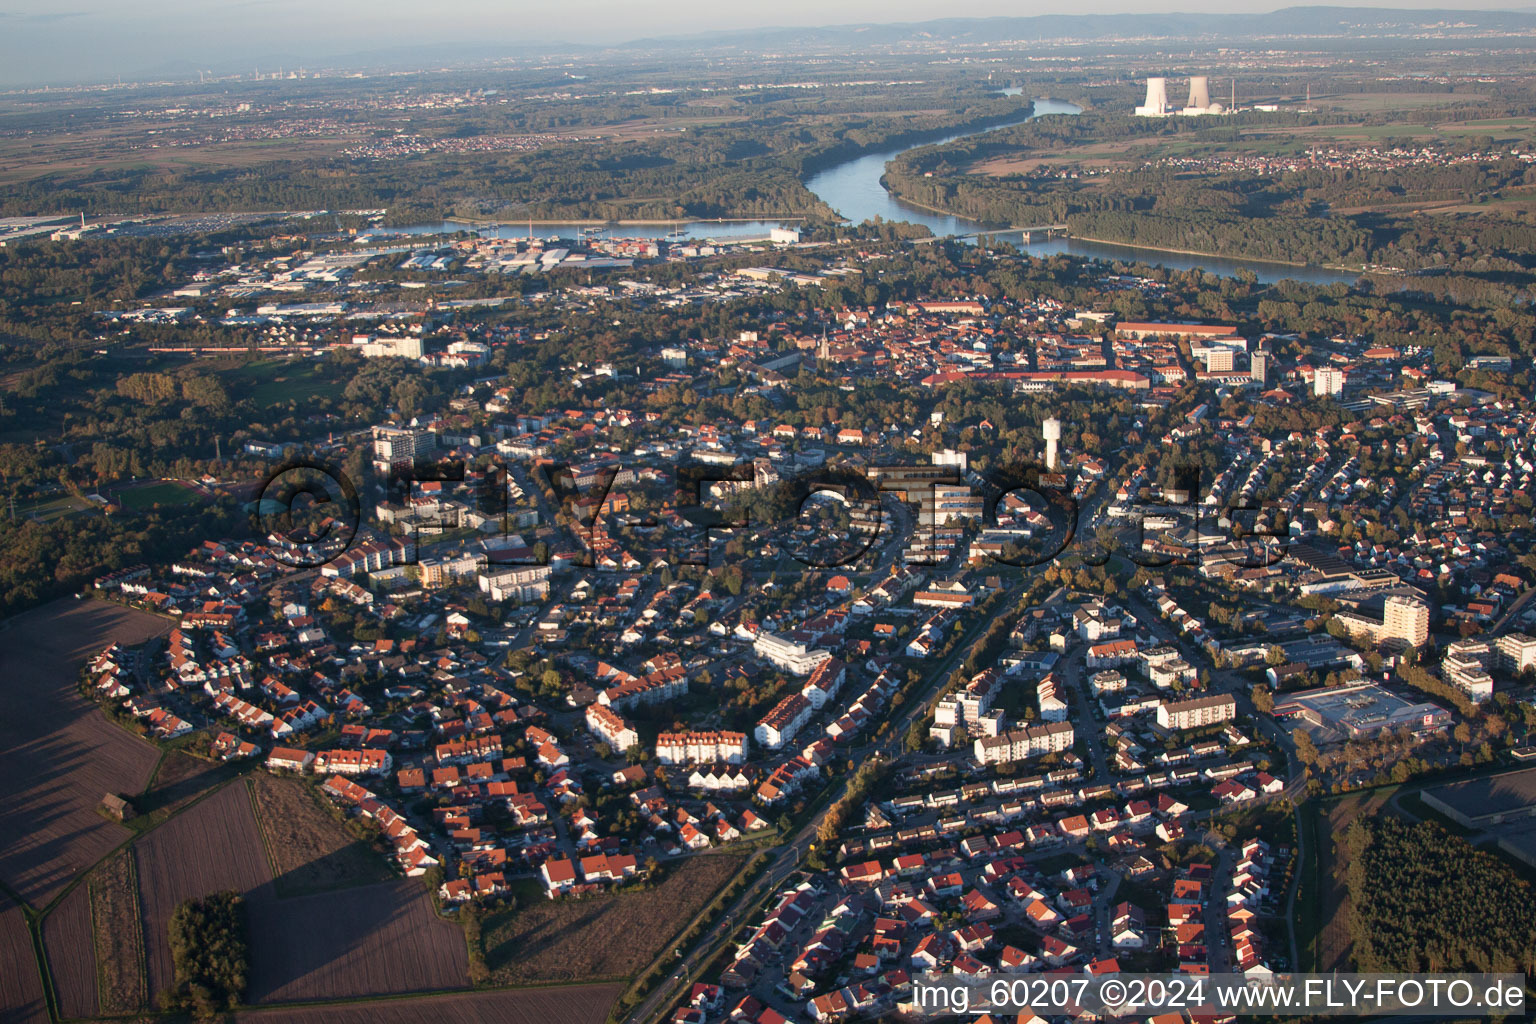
(779, 725)
(1515, 652)
(824, 683)
(609, 726)
(1327, 381)
(781, 652)
(516, 583)
(1406, 618)
(1021, 744)
(1200, 711)
(397, 446)
(705, 747)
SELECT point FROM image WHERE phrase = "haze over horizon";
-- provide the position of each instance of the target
(94, 41)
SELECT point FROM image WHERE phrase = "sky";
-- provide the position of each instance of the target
(45, 41)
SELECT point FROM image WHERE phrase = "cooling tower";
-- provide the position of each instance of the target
(1199, 93)
(1157, 94)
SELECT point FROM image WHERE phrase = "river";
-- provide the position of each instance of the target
(853, 189)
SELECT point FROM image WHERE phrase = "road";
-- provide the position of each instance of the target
(787, 860)
(1088, 726)
(1511, 612)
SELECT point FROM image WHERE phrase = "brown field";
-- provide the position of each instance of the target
(178, 778)
(58, 753)
(367, 940)
(573, 1004)
(119, 936)
(71, 951)
(21, 988)
(213, 845)
(1335, 949)
(613, 936)
(309, 848)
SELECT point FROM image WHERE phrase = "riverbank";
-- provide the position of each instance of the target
(1215, 255)
(472, 225)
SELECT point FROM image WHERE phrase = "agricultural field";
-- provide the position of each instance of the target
(70, 944)
(21, 987)
(309, 848)
(614, 936)
(1384, 102)
(119, 936)
(566, 1004)
(367, 940)
(212, 845)
(58, 753)
(178, 778)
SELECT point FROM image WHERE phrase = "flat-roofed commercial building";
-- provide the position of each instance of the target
(1487, 801)
(1362, 709)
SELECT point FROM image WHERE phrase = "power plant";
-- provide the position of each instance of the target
(1157, 99)
(1199, 94)
(1157, 104)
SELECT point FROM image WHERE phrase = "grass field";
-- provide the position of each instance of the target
(309, 848)
(611, 936)
(271, 381)
(141, 497)
(114, 893)
(178, 778)
(1385, 102)
(54, 508)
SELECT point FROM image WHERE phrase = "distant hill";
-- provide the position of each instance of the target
(1327, 23)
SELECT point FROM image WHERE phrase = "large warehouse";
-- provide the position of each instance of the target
(1488, 801)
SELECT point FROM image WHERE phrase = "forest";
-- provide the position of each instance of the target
(1424, 900)
(211, 955)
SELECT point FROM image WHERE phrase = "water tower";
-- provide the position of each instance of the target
(1051, 430)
